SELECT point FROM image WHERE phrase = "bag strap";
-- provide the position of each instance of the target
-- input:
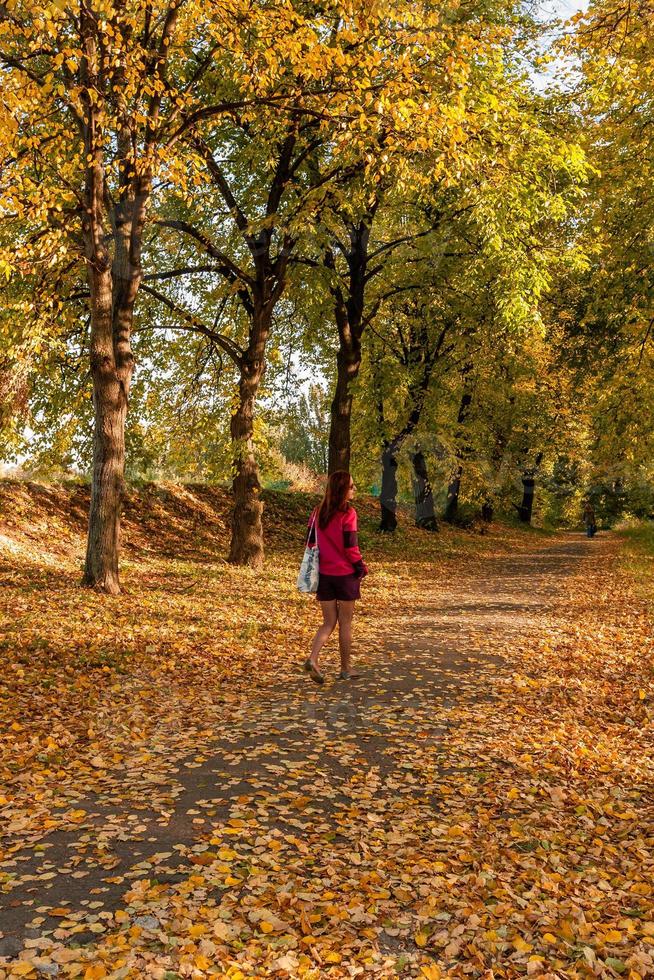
(312, 526)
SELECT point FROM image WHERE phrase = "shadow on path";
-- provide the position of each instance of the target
(293, 755)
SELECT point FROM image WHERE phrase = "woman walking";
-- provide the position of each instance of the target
(333, 527)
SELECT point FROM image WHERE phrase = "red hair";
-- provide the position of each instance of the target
(335, 499)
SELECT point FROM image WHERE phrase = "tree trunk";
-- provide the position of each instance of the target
(388, 498)
(526, 508)
(452, 502)
(388, 495)
(349, 316)
(494, 478)
(114, 287)
(348, 362)
(462, 450)
(111, 370)
(422, 492)
(247, 545)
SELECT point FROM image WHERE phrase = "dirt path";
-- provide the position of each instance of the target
(320, 812)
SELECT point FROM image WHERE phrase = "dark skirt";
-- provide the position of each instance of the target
(346, 588)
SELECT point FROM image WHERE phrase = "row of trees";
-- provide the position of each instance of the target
(229, 196)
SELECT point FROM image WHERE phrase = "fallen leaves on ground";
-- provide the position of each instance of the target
(180, 801)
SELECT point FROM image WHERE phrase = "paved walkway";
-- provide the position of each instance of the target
(327, 775)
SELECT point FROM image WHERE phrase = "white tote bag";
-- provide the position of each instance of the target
(307, 580)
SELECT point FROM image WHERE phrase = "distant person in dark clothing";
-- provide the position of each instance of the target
(589, 519)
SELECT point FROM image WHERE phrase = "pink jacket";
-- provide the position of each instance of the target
(338, 544)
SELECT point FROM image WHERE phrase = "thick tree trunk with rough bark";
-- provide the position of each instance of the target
(350, 323)
(246, 546)
(113, 286)
(112, 225)
(388, 495)
(111, 370)
(258, 287)
(247, 543)
(422, 492)
(348, 362)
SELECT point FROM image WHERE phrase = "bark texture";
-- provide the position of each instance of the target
(462, 449)
(266, 287)
(257, 277)
(423, 495)
(348, 363)
(247, 542)
(349, 302)
(113, 217)
(110, 397)
(388, 495)
(114, 284)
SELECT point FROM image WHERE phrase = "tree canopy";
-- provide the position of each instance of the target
(254, 243)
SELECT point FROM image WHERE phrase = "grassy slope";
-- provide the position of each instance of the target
(191, 521)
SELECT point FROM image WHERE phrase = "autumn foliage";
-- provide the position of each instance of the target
(243, 245)
(479, 801)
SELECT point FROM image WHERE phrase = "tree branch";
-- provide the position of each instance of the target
(186, 270)
(229, 268)
(195, 325)
(222, 184)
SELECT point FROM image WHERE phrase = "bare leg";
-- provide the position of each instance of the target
(329, 620)
(345, 614)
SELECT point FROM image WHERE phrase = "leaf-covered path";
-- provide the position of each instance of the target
(480, 798)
